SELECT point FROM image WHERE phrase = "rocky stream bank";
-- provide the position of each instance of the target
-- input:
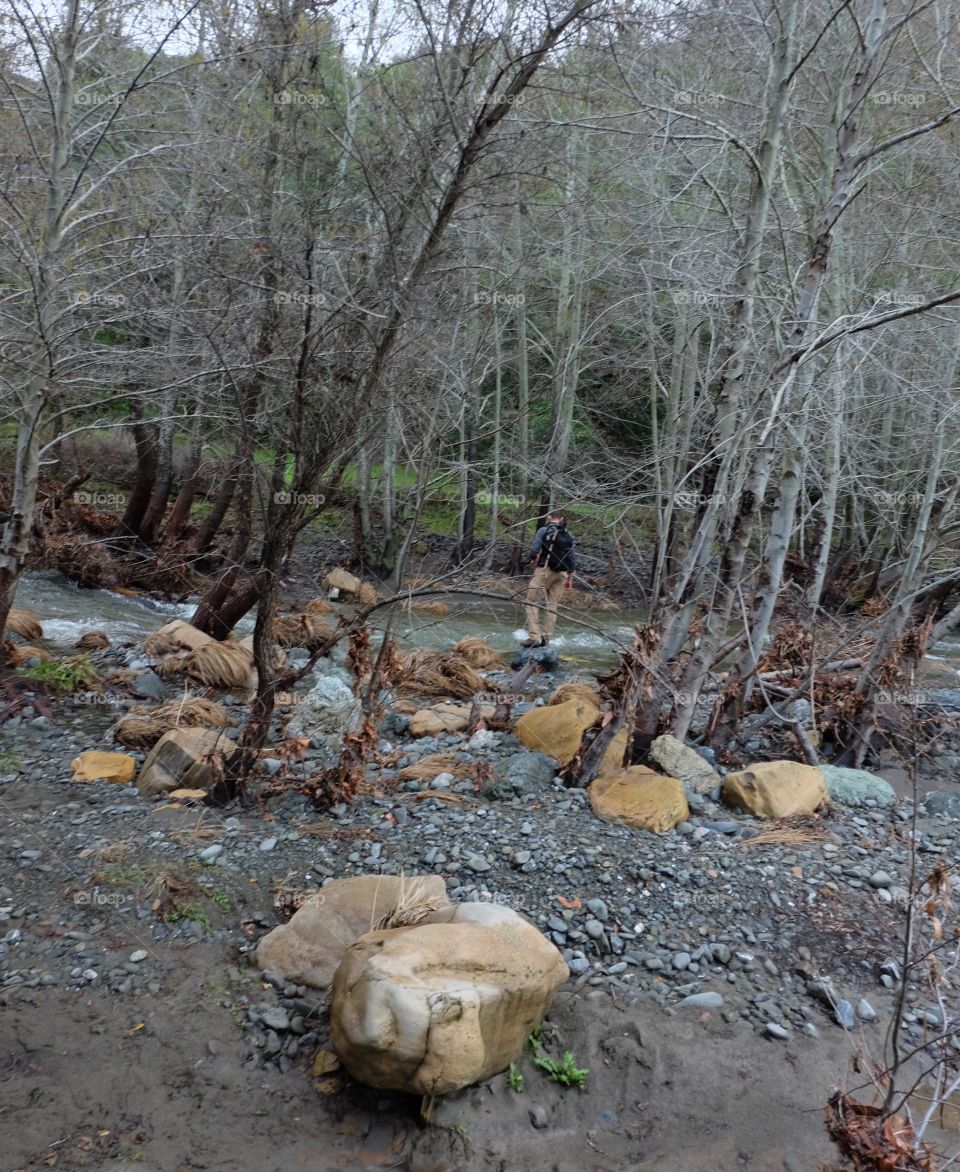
(722, 974)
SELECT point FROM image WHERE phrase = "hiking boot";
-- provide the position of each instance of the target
(532, 643)
(544, 642)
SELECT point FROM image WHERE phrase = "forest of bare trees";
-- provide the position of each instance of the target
(689, 266)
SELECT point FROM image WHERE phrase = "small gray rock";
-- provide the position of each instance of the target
(773, 1030)
(865, 1010)
(843, 1012)
(538, 1117)
(276, 1018)
(703, 1001)
(149, 686)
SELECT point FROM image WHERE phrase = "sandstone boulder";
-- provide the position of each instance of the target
(181, 759)
(95, 765)
(340, 581)
(775, 789)
(679, 760)
(328, 710)
(640, 798)
(308, 948)
(444, 718)
(556, 729)
(435, 1007)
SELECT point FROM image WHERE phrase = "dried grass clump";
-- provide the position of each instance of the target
(301, 630)
(431, 673)
(430, 767)
(145, 726)
(437, 609)
(24, 623)
(367, 595)
(95, 640)
(575, 690)
(412, 907)
(20, 653)
(169, 665)
(220, 665)
(319, 605)
(479, 654)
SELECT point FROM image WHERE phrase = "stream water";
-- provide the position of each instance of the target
(67, 610)
(589, 640)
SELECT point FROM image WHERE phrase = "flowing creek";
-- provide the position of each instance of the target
(589, 640)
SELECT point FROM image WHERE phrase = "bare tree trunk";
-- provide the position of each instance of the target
(831, 485)
(211, 525)
(145, 441)
(188, 485)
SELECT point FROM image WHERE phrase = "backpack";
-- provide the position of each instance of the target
(558, 543)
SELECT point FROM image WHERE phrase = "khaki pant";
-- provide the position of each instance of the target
(548, 584)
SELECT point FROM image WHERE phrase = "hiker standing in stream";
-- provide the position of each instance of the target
(552, 554)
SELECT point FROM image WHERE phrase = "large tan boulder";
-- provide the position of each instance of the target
(556, 729)
(679, 760)
(181, 759)
(343, 582)
(775, 789)
(640, 798)
(435, 1007)
(308, 948)
(444, 718)
(96, 765)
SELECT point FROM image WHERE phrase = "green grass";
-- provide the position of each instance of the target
(123, 875)
(515, 1079)
(564, 1070)
(62, 676)
(190, 912)
(10, 760)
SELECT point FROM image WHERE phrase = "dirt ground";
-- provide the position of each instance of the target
(158, 1084)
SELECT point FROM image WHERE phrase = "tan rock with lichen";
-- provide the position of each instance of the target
(556, 729)
(96, 765)
(182, 759)
(435, 1007)
(444, 718)
(775, 789)
(308, 949)
(640, 798)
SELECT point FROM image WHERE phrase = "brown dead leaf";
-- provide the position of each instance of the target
(188, 794)
(796, 872)
(570, 904)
